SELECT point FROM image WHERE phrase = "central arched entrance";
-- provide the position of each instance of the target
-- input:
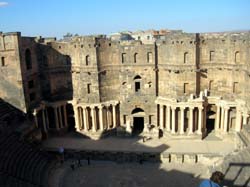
(210, 121)
(138, 121)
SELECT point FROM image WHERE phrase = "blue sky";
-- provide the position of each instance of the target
(57, 17)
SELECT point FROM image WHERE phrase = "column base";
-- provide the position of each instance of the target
(199, 132)
(145, 130)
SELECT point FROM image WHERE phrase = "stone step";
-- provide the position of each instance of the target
(243, 139)
(236, 168)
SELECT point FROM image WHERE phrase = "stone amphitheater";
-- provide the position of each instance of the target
(129, 109)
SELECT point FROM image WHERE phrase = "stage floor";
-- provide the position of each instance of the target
(210, 145)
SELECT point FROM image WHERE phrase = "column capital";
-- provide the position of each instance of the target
(200, 107)
(182, 108)
(82, 106)
(245, 114)
(35, 112)
(106, 105)
(191, 107)
(161, 105)
(114, 103)
(92, 106)
(173, 107)
(218, 104)
(100, 106)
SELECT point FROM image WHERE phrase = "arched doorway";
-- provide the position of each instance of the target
(211, 113)
(70, 117)
(138, 121)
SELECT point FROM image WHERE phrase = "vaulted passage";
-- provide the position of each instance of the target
(138, 125)
(210, 118)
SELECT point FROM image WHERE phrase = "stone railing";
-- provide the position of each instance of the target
(136, 156)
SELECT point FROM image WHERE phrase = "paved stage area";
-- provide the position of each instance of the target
(210, 145)
(109, 174)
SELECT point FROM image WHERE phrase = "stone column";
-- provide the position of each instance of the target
(93, 115)
(191, 112)
(114, 115)
(173, 119)
(60, 116)
(217, 121)
(226, 119)
(44, 121)
(85, 119)
(101, 117)
(65, 116)
(146, 124)
(47, 118)
(128, 126)
(238, 120)
(200, 121)
(88, 115)
(76, 118)
(245, 116)
(35, 116)
(182, 120)
(168, 118)
(204, 124)
(222, 118)
(105, 117)
(161, 117)
(56, 118)
(80, 117)
(109, 120)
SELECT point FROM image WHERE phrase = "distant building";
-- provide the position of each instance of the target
(121, 36)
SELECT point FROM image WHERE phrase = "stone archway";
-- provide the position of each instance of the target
(210, 120)
(138, 115)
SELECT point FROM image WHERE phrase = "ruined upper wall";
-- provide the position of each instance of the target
(30, 54)
(177, 49)
(78, 54)
(11, 82)
(225, 48)
(94, 68)
(224, 64)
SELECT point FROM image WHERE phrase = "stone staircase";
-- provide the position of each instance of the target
(236, 166)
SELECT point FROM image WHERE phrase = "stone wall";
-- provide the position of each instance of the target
(177, 66)
(11, 81)
(30, 72)
(225, 64)
(91, 71)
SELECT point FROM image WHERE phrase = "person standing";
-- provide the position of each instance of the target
(214, 181)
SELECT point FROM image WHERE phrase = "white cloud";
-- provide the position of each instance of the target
(3, 4)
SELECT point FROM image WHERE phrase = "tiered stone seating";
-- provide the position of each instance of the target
(9, 181)
(22, 163)
(5, 109)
